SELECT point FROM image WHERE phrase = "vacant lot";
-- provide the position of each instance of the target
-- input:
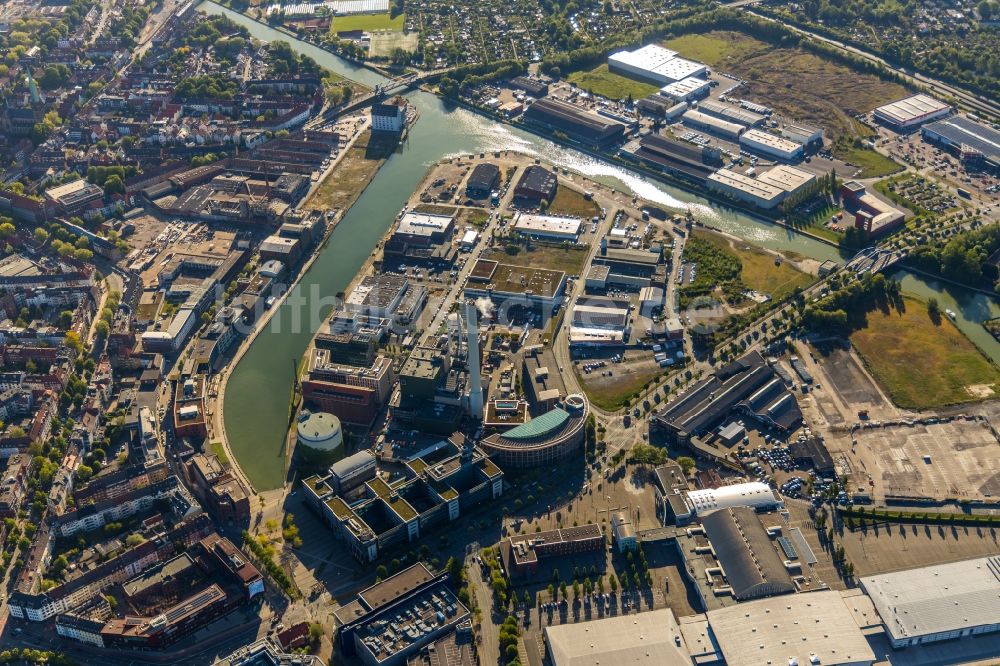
(714, 48)
(352, 174)
(923, 363)
(552, 257)
(795, 83)
(625, 381)
(955, 460)
(760, 271)
(571, 202)
(896, 547)
(871, 163)
(607, 84)
(368, 22)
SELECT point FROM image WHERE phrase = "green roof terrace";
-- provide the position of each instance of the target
(339, 508)
(401, 507)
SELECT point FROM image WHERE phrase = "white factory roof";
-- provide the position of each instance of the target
(470, 237)
(703, 119)
(423, 224)
(681, 89)
(786, 177)
(770, 140)
(657, 61)
(333, 6)
(752, 494)
(547, 224)
(795, 629)
(938, 598)
(752, 186)
(911, 109)
(652, 638)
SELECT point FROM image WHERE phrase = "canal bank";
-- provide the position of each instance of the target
(261, 384)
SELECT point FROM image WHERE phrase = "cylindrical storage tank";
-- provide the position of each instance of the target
(320, 437)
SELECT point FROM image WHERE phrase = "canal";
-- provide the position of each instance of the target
(258, 391)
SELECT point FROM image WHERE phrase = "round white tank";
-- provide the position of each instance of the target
(320, 431)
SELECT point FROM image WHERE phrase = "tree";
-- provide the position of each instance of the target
(134, 539)
(102, 329)
(381, 573)
(686, 463)
(315, 632)
(114, 184)
(7, 229)
(933, 308)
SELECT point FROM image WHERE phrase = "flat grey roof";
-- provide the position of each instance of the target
(939, 598)
(651, 638)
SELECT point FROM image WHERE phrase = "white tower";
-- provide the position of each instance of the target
(475, 380)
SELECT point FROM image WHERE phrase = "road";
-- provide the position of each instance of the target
(972, 101)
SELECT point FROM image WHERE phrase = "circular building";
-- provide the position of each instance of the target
(544, 439)
(320, 437)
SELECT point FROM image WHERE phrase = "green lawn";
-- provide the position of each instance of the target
(921, 363)
(714, 47)
(607, 84)
(368, 22)
(220, 452)
(762, 274)
(570, 202)
(611, 393)
(872, 164)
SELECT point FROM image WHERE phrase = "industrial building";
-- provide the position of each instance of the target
(733, 114)
(389, 116)
(536, 184)
(771, 145)
(627, 267)
(872, 214)
(679, 158)
(807, 136)
(422, 238)
(746, 188)
(381, 303)
(747, 386)
(483, 180)
(911, 112)
(799, 630)
(521, 552)
(977, 145)
(548, 227)
(578, 124)
(938, 602)
(655, 64)
(787, 178)
(706, 123)
(623, 534)
(756, 495)
(506, 284)
(686, 90)
(599, 322)
(319, 434)
(651, 638)
(354, 394)
(749, 559)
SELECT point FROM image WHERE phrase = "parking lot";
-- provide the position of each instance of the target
(884, 548)
(959, 459)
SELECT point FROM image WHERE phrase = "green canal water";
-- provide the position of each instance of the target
(259, 389)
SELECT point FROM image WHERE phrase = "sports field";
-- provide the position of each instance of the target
(368, 22)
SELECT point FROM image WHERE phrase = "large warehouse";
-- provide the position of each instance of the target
(646, 639)
(733, 114)
(755, 494)
(548, 226)
(746, 188)
(749, 559)
(771, 145)
(938, 602)
(803, 629)
(587, 128)
(974, 142)
(712, 125)
(911, 112)
(655, 64)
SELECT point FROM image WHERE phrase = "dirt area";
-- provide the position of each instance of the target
(352, 175)
(796, 84)
(842, 387)
(384, 41)
(147, 228)
(884, 548)
(959, 459)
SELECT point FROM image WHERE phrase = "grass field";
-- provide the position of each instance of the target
(571, 202)
(555, 258)
(607, 84)
(368, 22)
(793, 82)
(871, 163)
(611, 393)
(760, 272)
(220, 452)
(477, 217)
(352, 174)
(921, 363)
(382, 43)
(715, 47)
